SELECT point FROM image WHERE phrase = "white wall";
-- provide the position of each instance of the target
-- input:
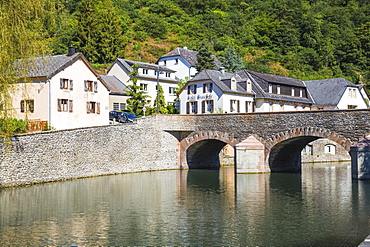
(354, 99)
(181, 68)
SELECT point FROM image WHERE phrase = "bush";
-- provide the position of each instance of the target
(9, 126)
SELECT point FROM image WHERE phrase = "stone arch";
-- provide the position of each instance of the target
(214, 140)
(283, 150)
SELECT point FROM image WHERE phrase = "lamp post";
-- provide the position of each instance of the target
(157, 110)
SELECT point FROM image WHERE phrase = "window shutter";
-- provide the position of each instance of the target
(238, 106)
(204, 88)
(187, 107)
(97, 108)
(22, 105)
(71, 85)
(212, 110)
(196, 107)
(61, 83)
(59, 104)
(210, 87)
(88, 107)
(70, 103)
(188, 89)
(203, 105)
(231, 105)
(86, 85)
(32, 105)
(95, 86)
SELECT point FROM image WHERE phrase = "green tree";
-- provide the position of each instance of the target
(231, 60)
(138, 97)
(159, 102)
(204, 58)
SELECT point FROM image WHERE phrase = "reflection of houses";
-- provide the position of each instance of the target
(337, 93)
(117, 92)
(62, 90)
(149, 76)
(213, 91)
(277, 93)
(183, 61)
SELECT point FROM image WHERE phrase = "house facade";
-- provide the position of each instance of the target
(337, 93)
(277, 93)
(62, 90)
(117, 92)
(183, 61)
(215, 91)
(150, 75)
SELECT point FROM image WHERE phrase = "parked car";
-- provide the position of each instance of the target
(130, 117)
(122, 117)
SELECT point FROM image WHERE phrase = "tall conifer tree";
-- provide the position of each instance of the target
(231, 60)
(204, 58)
(138, 97)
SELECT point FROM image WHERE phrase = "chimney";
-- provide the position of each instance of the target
(71, 51)
(222, 70)
(185, 48)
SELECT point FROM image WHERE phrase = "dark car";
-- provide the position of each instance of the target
(117, 116)
(122, 117)
(130, 117)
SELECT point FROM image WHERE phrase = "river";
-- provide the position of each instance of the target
(322, 206)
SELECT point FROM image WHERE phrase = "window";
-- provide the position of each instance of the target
(122, 106)
(168, 74)
(207, 88)
(192, 107)
(270, 88)
(352, 92)
(115, 106)
(293, 91)
(176, 61)
(145, 71)
(307, 150)
(248, 106)
(249, 85)
(28, 105)
(66, 84)
(91, 86)
(352, 106)
(164, 62)
(234, 105)
(144, 87)
(92, 107)
(171, 90)
(278, 89)
(65, 105)
(329, 149)
(300, 92)
(192, 89)
(207, 106)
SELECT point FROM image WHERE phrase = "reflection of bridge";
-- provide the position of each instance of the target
(264, 141)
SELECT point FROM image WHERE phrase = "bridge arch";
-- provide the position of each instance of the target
(283, 150)
(201, 149)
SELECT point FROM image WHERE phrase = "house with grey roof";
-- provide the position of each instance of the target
(215, 91)
(63, 90)
(117, 92)
(337, 93)
(150, 75)
(183, 61)
(277, 93)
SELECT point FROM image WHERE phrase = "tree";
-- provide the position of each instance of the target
(204, 58)
(138, 97)
(231, 61)
(159, 102)
(22, 35)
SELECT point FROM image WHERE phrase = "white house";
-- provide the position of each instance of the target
(183, 61)
(150, 75)
(117, 92)
(215, 91)
(277, 93)
(337, 93)
(62, 90)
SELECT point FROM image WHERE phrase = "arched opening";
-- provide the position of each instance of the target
(204, 154)
(286, 155)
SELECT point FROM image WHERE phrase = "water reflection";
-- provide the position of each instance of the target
(323, 206)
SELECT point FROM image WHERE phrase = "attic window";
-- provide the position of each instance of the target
(176, 61)
(233, 83)
(270, 88)
(249, 86)
(278, 89)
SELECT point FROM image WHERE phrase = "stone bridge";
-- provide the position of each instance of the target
(264, 142)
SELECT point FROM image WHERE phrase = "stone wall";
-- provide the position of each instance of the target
(77, 153)
(315, 152)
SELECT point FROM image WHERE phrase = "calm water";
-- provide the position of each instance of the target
(321, 207)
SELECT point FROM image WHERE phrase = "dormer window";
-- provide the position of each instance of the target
(301, 92)
(192, 89)
(233, 83)
(293, 91)
(207, 88)
(278, 89)
(270, 88)
(249, 85)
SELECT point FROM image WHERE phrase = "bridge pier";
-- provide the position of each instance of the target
(360, 159)
(250, 157)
